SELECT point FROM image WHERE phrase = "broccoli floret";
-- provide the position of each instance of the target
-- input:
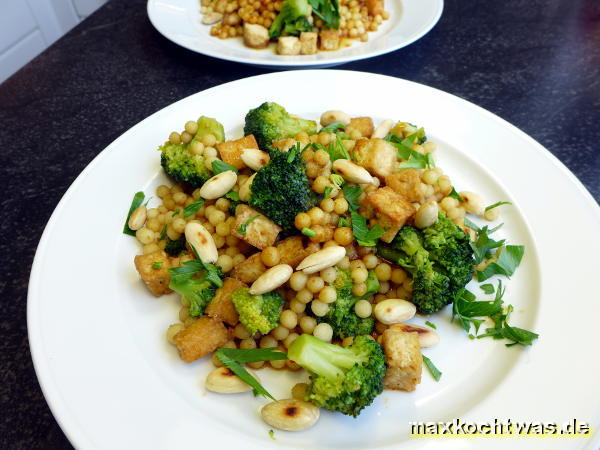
(293, 18)
(183, 166)
(341, 379)
(341, 315)
(194, 286)
(258, 312)
(271, 121)
(175, 247)
(281, 189)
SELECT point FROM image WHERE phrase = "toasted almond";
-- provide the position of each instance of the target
(211, 18)
(473, 203)
(427, 337)
(255, 158)
(271, 279)
(219, 185)
(383, 129)
(224, 381)
(394, 310)
(137, 218)
(328, 117)
(427, 214)
(246, 189)
(328, 257)
(352, 172)
(290, 414)
(202, 241)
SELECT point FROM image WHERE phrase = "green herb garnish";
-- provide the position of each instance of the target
(431, 325)
(242, 227)
(412, 158)
(219, 166)
(137, 201)
(434, 371)
(343, 222)
(337, 180)
(192, 208)
(351, 193)
(157, 264)
(309, 232)
(506, 263)
(292, 152)
(495, 205)
(364, 236)
(333, 127)
(233, 195)
(327, 191)
(487, 288)
(456, 195)
(272, 434)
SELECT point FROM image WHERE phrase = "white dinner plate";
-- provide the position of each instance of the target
(179, 21)
(112, 381)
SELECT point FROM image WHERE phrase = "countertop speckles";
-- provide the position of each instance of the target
(535, 63)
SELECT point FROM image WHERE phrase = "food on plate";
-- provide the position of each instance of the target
(313, 246)
(297, 27)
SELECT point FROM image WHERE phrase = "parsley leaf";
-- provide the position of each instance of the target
(327, 191)
(219, 166)
(336, 149)
(232, 195)
(157, 264)
(412, 158)
(483, 244)
(212, 273)
(242, 228)
(431, 325)
(292, 152)
(232, 357)
(487, 288)
(506, 264)
(137, 201)
(192, 208)
(455, 195)
(328, 11)
(434, 371)
(466, 309)
(364, 236)
(351, 193)
(337, 180)
(495, 205)
(309, 232)
(333, 127)
(343, 222)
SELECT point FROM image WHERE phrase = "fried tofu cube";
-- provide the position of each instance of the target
(284, 144)
(154, 270)
(231, 151)
(308, 43)
(255, 36)
(403, 359)
(250, 269)
(202, 337)
(288, 45)
(406, 182)
(375, 155)
(329, 39)
(261, 232)
(375, 7)
(221, 306)
(362, 124)
(292, 250)
(391, 209)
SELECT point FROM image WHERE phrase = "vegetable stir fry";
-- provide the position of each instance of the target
(309, 246)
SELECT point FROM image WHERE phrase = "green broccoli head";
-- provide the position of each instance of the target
(281, 189)
(183, 166)
(341, 315)
(293, 18)
(271, 121)
(342, 379)
(258, 312)
(208, 125)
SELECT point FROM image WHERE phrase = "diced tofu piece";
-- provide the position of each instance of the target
(403, 359)
(156, 279)
(391, 209)
(255, 36)
(261, 232)
(375, 7)
(249, 270)
(308, 43)
(292, 250)
(284, 144)
(231, 151)
(330, 39)
(376, 155)
(202, 337)
(221, 306)
(406, 182)
(288, 45)
(362, 124)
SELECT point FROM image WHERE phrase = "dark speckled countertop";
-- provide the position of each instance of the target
(535, 63)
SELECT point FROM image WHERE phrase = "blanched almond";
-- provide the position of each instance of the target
(224, 381)
(202, 241)
(290, 414)
(137, 218)
(271, 279)
(255, 158)
(473, 203)
(427, 336)
(383, 129)
(246, 189)
(394, 310)
(219, 185)
(351, 172)
(328, 257)
(427, 215)
(328, 117)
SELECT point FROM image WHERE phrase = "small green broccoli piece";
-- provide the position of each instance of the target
(281, 190)
(194, 286)
(341, 379)
(341, 315)
(175, 247)
(258, 312)
(208, 125)
(292, 18)
(271, 121)
(182, 166)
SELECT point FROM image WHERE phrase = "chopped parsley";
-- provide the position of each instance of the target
(192, 208)
(434, 371)
(242, 228)
(219, 166)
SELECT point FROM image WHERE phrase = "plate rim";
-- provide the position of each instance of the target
(61, 412)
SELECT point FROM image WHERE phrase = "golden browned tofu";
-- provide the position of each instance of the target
(362, 124)
(202, 337)
(308, 43)
(288, 45)
(231, 151)
(329, 39)
(375, 7)
(403, 359)
(391, 209)
(284, 144)
(221, 306)
(292, 250)
(249, 270)
(261, 232)
(154, 270)
(376, 155)
(406, 182)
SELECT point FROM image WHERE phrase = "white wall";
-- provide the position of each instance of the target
(28, 27)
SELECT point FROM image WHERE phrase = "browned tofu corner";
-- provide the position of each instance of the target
(403, 359)
(202, 337)
(154, 270)
(364, 125)
(231, 151)
(261, 232)
(376, 155)
(391, 209)
(221, 307)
